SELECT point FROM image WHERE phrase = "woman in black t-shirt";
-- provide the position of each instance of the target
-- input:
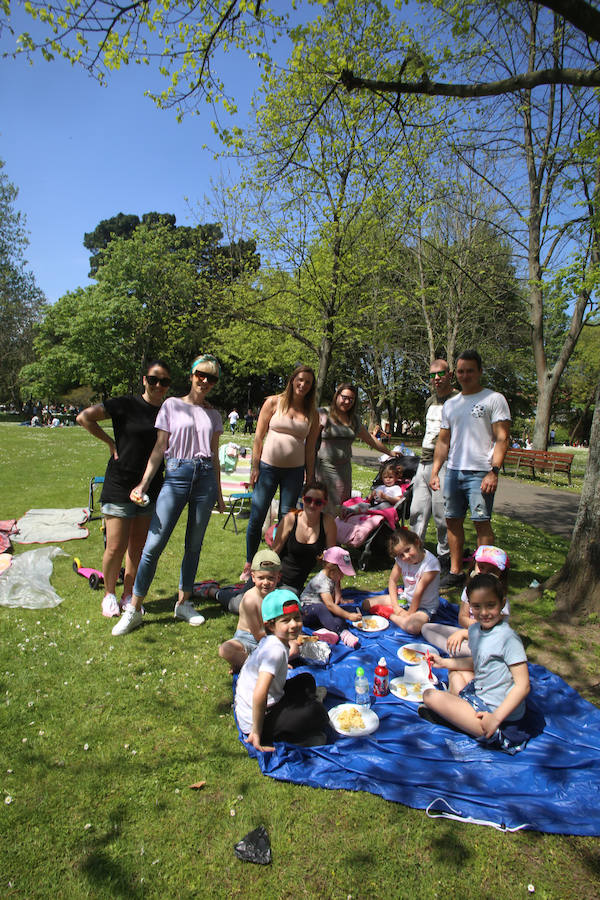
(127, 523)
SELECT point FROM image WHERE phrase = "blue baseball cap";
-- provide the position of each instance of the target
(280, 602)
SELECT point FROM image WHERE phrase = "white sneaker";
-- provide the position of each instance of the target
(126, 601)
(110, 606)
(188, 613)
(129, 621)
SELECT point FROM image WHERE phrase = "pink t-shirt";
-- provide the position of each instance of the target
(190, 428)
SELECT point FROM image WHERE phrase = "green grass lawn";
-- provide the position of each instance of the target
(101, 738)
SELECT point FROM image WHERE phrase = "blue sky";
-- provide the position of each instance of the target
(80, 153)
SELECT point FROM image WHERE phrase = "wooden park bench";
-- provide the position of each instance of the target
(540, 460)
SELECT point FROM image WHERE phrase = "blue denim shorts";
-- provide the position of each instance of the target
(462, 491)
(127, 510)
(246, 639)
(512, 737)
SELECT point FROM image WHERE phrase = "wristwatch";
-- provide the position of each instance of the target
(495, 469)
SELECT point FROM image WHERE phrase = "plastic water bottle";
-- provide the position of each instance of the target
(381, 682)
(361, 688)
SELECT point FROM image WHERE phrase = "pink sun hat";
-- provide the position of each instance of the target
(494, 556)
(341, 558)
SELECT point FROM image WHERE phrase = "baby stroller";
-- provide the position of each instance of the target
(366, 534)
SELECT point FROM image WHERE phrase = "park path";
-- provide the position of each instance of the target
(551, 509)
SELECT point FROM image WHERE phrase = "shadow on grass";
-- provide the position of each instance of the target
(450, 850)
(100, 867)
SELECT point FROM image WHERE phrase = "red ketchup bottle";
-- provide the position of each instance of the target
(381, 681)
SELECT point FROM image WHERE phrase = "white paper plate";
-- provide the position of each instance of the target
(370, 719)
(411, 687)
(422, 648)
(379, 622)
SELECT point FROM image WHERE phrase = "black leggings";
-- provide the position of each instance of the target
(297, 715)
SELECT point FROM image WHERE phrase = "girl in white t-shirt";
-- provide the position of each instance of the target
(420, 573)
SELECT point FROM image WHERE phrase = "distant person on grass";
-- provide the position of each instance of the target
(473, 437)
(188, 440)
(265, 574)
(133, 420)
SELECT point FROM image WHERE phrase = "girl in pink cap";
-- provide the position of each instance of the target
(454, 640)
(322, 597)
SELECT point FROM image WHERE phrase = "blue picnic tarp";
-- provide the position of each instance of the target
(553, 785)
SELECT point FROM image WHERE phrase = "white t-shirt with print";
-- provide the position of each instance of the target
(430, 599)
(270, 656)
(470, 418)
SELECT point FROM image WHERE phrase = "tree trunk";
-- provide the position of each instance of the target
(577, 584)
(541, 428)
(325, 350)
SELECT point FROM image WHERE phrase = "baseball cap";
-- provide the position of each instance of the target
(341, 558)
(265, 561)
(493, 556)
(280, 602)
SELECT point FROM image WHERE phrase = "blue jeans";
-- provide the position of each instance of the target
(289, 482)
(187, 481)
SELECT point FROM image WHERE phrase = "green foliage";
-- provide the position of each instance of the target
(21, 301)
(156, 294)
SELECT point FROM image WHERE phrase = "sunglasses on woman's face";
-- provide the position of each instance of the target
(206, 376)
(153, 380)
(314, 501)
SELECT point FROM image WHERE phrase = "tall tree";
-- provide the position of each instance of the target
(324, 175)
(21, 301)
(154, 297)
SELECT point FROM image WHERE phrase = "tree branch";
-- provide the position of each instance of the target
(526, 81)
(580, 14)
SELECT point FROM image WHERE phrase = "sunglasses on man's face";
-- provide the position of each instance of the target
(153, 380)
(206, 376)
(314, 501)
(438, 374)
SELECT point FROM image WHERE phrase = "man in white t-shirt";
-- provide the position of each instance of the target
(233, 419)
(425, 501)
(474, 435)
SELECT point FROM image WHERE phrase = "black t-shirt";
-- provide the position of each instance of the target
(135, 435)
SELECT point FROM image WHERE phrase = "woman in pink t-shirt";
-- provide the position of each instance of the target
(188, 439)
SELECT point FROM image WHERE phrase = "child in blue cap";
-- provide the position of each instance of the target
(268, 706)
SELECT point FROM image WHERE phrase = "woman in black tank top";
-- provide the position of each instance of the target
(302, 536)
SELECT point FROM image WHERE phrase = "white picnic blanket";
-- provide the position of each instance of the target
(45, 526)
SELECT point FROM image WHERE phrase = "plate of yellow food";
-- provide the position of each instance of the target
(370, 624)
(410, 687)
(414, 654)
(352, 720)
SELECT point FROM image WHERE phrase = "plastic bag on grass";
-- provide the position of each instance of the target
(27, 582)
(255, 847)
